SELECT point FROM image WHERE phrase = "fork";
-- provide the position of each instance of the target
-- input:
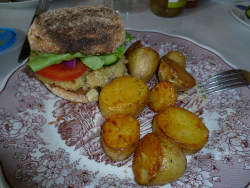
(42, 6)
(226, 80)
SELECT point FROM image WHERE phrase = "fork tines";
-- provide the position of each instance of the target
(226, 80)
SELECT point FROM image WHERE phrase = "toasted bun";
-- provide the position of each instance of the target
(90, 30)
(70, 95)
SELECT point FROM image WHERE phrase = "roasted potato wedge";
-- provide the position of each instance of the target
(162, 95)
(143, 63)
(176, 74)
(124, 95)
(183, 127)
(158, 160)
(177, 57)
(120, 136)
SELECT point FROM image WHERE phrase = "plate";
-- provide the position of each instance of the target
(50, 142)
(24, 3)
(238, 12)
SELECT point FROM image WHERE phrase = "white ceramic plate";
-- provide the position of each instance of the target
(46, 141)
(20, 4)
(239, 13)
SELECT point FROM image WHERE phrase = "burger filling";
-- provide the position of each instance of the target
(77, 72)
(89, 79)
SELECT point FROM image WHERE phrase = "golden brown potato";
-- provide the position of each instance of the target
(158, 160)
(162, 95)
(143, 63)
(124, 95)
(120, 136)
(176, 74)
(177, 57)
(133, 46)
(183, 127)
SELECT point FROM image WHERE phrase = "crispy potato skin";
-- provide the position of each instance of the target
(176, 74)
(143, 63)
(158, 160)
(120, 136)
(124, 95)
(177, 57)
(162, 95)
(183, 127)
(133, 46)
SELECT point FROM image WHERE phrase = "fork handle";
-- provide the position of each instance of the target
(25, 52)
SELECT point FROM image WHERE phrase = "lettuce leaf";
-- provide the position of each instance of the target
(93, 62)
(40, 60)
(128, 37)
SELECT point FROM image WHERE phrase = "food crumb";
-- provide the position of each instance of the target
(58, 118)
(125, 171)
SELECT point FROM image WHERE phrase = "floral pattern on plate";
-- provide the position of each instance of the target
(46, 141)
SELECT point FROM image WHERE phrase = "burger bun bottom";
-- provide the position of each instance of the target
(91, 96)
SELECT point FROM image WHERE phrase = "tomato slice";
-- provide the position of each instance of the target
(61, 72)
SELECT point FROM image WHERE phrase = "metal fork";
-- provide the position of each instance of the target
(42, 6)
(226, 80)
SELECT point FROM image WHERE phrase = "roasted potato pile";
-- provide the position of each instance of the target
(143, 61)
(159, 157)
(124, 95)
(158, 160)
(171, 71)
(120, 136)
(182, 126)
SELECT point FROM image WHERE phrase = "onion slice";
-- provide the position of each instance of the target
(70, 64)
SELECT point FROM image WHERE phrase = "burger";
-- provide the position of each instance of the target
(75, 51)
